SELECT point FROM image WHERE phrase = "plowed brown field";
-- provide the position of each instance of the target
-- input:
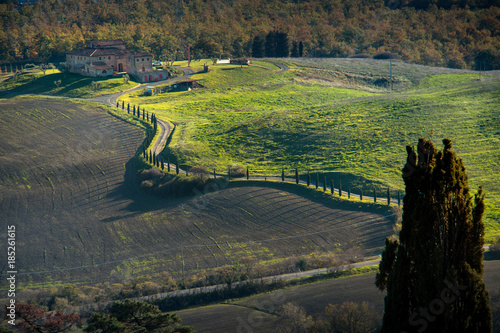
(68, 184)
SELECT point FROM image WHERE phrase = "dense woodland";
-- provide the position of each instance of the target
(453, 33)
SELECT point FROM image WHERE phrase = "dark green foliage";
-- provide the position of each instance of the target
(100, 322)
(168, 164)
(324, 183)
(296, 175)
(150, 157)
(340, 188)
(133, 110)
(399, 198)
(248, 174)
(162, 163)
(301, 49)
(294, 53)
(282, 174)
(349, 192)
(270, 45)
(433, 276)
(132, 316)
(143, 114)
(117, 104)
(258, 47)
(177, 167)
(128, 107)
(374, 194)
(308, 179)
(317, 180)
(282, 45)
(123, 105)
(388, 196)
(331, 187)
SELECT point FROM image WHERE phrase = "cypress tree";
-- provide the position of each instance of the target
(177, 167)
(215, 177)
(301, 49)
(117, 104)
(399, 199)
(248, 174)
(324, 183)
(361, 195)
(162, 164)
(168, 163)
(433, 274)
(143, 114)
(317, 180)
(123, 105)
(296, 175)
(295, 50)
(128, 107)
(150, 157)
(282, 45)
(349, 192)
(282, 174)
(331, 186)
(374, 194)
(154, 158)
(388, 196)
(258, 48)
(308, 179)
(270, 45)
(340, 188)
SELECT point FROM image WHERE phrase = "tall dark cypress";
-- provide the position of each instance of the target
(301, 49)
(282, 45)
(258, 47)
(270, 45)
(433, 274)
(296, 175)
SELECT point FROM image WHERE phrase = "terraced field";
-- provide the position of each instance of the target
(68, 185)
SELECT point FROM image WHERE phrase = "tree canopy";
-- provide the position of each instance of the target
(433, 273)
(431, 32)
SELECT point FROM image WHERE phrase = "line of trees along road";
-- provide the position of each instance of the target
(429, 32)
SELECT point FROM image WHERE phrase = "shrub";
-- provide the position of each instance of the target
(385, 55)
(200, 172)
(147, 185)
(360, 56)
(150, 174)
(238, 170)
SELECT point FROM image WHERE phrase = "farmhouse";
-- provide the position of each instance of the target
(110, 57)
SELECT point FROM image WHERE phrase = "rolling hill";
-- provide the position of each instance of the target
(69, 186)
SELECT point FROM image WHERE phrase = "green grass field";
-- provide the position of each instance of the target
(338, 125)
(72, 85)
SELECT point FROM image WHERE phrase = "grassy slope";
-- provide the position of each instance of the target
(257, 312)
(320, 122)
(76, 208)
(72, 85)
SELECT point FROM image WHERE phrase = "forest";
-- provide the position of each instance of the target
(448, 33)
